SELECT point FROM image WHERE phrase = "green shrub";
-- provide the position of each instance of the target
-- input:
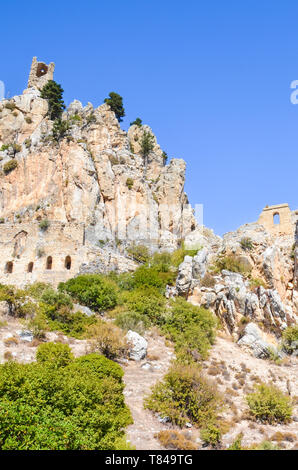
(178, 255)
(290, 339)
(191, 328)
(246, 244)
(269, 404)
(93, 290)
(10, 166)
(4, 147)
(183, 396)
(147, 302)
(44, 225)
(76, 405)
(147, 277)
(129, 183)
(115, 102)
(60, 129)
(134, 321)
(54, 355)
(211, 434)
(139, 253)
(231, 263)
(53, 93)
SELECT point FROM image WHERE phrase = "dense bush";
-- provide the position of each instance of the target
(129, 183)
(231, 263)
(290, 339)
(78, 405)
(54, 312)
(139, 253)
(54, 355)
(246, 244)
(108, 339)
(147, 277)
(10, 166)
(183, 396)
(147, 302)
(60, 129)
(134, 321)
(191, 328)
(93, 290)
(269, 404)
(211, 434)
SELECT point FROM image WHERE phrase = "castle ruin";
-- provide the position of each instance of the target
(40, 73)
(277, 220)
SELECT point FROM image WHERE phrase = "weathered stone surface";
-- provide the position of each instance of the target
(253, 339)
(138, 346)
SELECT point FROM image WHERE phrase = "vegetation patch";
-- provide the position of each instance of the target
(185, 396)
(62, 403)
(10, 166)
(269, 404)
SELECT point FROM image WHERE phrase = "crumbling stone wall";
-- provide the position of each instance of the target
(40, 73)
(29, 254)
(277, 220)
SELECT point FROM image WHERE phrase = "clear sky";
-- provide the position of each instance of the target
(212, 79)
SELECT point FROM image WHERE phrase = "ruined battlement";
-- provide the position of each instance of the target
(40, 73)
(30, 254)
(277, 219)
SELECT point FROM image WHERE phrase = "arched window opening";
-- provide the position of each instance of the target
(276, 218)
(8, 267)
(49, 262)
(68, 262)
(30, 267)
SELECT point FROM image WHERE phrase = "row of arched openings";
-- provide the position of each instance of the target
(49, 265)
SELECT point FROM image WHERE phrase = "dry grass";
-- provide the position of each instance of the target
(175, 440)
(11, 341)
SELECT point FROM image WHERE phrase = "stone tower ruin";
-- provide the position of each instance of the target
(40, 73)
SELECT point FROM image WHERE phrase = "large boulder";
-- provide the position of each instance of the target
(254, 341)
(138, 346)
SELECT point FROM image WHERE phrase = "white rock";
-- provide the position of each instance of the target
(138, 349)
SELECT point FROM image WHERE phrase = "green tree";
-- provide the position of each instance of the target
(53, 93)
(115, 102)
(137, 122)
(147, 143)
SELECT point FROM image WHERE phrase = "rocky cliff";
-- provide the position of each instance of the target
(96, 175)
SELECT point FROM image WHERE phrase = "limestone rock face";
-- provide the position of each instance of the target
(90, 176)
(94, 177)
(266, 290)
(253, 339)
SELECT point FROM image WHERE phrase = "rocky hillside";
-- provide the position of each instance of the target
(252, 277)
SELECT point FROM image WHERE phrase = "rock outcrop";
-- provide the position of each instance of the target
(95, 177)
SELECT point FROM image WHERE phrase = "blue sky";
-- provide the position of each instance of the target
(212, 79)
